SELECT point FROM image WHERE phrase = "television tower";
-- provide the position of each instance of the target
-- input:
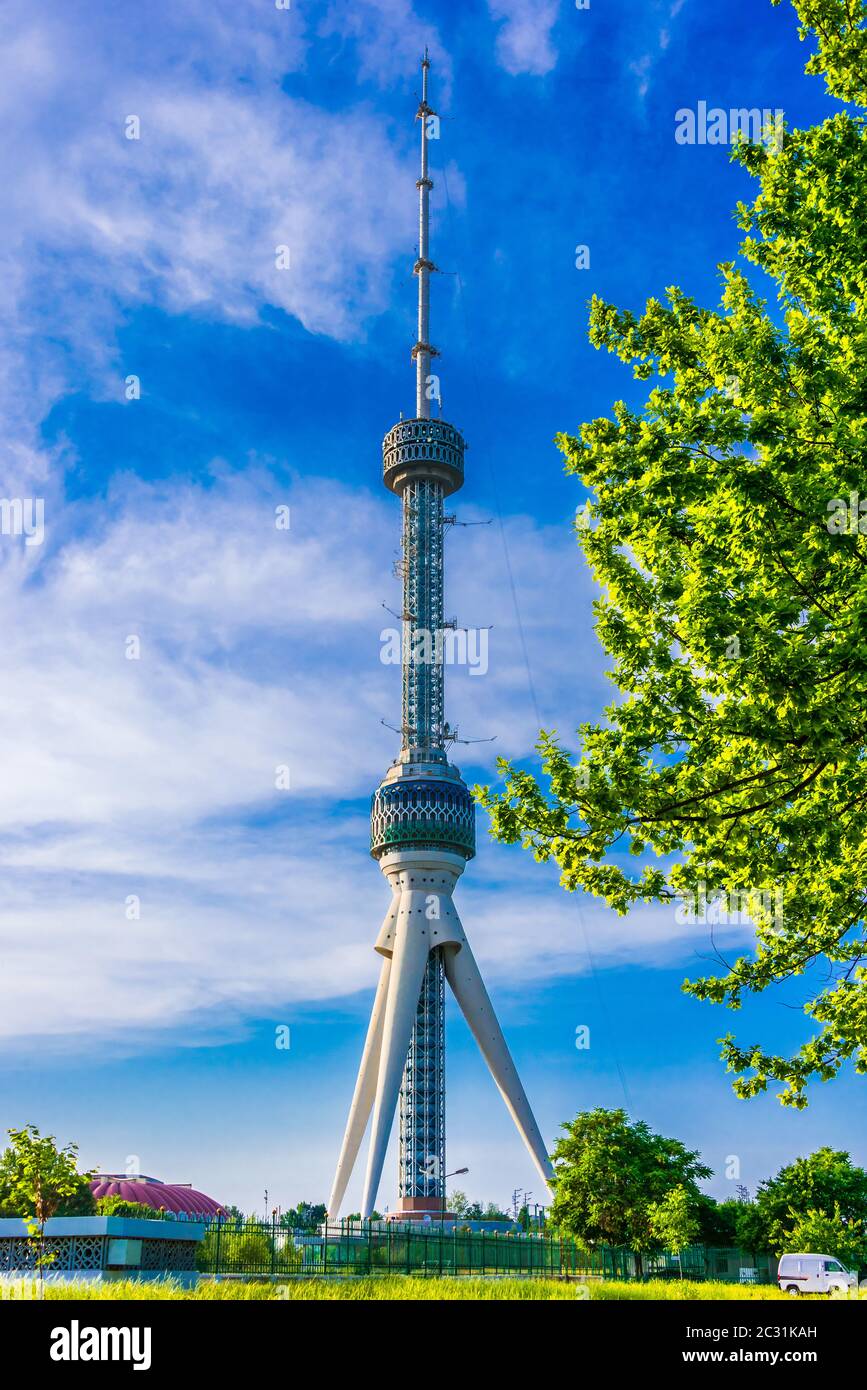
(422, 831)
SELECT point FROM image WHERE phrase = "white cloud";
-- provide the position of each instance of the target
(259, 648)
(388, 35)
(524, 43)
(642, 68)
(155, 777)
(227, 168)
(224, 606)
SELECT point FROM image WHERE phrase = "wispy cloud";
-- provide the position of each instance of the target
(189, 216)
(525, 41)
(154, 777)
(642, 68)
(382, 30)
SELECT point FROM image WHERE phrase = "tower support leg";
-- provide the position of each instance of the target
(409, 962)
(365, 1090)
(468, 988)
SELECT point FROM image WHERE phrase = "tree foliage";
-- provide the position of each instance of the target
(307, 1216)
(121, 1206)
(673, 1220)
(829, 1235)
(611, 1176)
(789, 1209)
(718, 1221)
(732, 605)
(40, 1180)
(459, 1203)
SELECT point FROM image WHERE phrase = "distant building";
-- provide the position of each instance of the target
(179, 1198)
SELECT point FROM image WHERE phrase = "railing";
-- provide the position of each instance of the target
(269, 1250)
(261, 1249)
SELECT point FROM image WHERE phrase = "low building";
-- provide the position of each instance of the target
(100, 1248)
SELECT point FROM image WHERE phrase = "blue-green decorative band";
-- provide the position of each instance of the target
(421, 815)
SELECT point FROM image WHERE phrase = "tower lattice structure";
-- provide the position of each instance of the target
(422, 828)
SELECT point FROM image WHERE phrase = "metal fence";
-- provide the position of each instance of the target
(251, 1249)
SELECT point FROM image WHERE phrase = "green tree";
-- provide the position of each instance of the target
(609, 1175)
(37, 1181)
(40, 1180)
(727, 534)
(830, 1235)
(825, 1183)
(674, 1222)
(494, 1212)
(307, 1216)
(718, 1221)
(458, 1202)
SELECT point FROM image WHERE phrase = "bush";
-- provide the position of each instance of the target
(119, 1206)
(241, 1252)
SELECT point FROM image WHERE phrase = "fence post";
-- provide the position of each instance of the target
(217, 1256)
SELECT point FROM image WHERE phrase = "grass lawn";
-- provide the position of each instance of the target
(406, 1287)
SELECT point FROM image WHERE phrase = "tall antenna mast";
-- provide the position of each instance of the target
(422, 833)
(423, 351)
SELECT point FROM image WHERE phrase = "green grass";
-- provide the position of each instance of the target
(399, 1287)
(674, 1290)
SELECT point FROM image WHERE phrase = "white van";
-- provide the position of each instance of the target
(814, 1274)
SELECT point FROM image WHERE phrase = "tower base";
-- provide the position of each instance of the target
(419, 1209)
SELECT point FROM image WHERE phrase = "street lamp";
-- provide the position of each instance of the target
(455, 1174)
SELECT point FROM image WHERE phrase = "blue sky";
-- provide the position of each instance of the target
(154, 778)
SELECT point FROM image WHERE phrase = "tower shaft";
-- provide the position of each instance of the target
(423, 695)
(422, 1112)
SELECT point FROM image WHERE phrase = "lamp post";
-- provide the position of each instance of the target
(525, 1206)
(455, 1174)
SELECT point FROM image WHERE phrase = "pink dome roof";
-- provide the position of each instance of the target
(152, 1193)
